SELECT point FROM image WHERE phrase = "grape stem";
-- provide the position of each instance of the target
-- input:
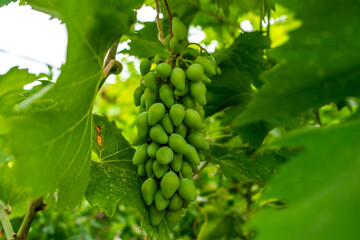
(170, 18)
(158, 23)
(202, 168)
(201, 48)
(5, 221)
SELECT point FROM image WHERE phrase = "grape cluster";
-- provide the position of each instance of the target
(170, 127)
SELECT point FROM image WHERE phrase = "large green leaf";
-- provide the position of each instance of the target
(239, 165)
(319, 64)
(52, 147)
(321, 186)
(5, 2)
(114, 178)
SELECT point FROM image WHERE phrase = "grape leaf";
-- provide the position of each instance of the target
(52, 147)
(114, 178)
(240, 65)
(5, 2)
(319, 65)
(253, 133)
(240, 165)
(321, 186)
(11, 194)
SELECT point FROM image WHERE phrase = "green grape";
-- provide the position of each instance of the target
(206, 64)
(198, 92)
(172, 218)
(160, 170)
(167, 124)
(155, 215)
(178, 28)
(157, 59)
(181, 130)
(150, 97)
(164, 155)
(142, 101)
(202, 156)
(178, 144)
(148, 190)
(149, 168)
(175, 45)
(193, 119)
(212, 61)
(156, 113)
(177, 114)
(141, 170)
(161, 202)
(158, 134)
(186, 204)
(142, 124)
(177, 78)
(166, 94)
(180, 93)
(152, 149)
(177, 162)
(140, 155)
(186, 170)
(206, 80)
(187, 190)
(163, 70)
(201, 111)
(167, 40)
(198, 140)
(137, 96)
(137, 141)
(192, 157)
(194, 167)
(145, 66)
(176, 202)
(150, 80)
(169, 184)
(195, 72)
(189, 101)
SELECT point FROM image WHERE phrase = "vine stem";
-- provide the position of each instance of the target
(34, 207)
(235, 25)
(202, 49)
(218, 137)
(5, 221)
(158, 23)
(170, 18)
(202, 168)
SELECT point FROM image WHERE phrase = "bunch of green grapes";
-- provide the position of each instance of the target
(170, 126)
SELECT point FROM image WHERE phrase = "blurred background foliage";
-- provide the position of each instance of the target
(231, 185)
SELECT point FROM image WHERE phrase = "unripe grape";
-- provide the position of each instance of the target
(194, 167)
(186, 170)
(150, 80)
(202, 156)
(164, 155)
(212, 61)
(166, 94)
(142, 84)
(178, 28)
(169, 184)
(155, 215)
(149, 168)
(178, 144)
(141, 170)
(192, 157)
(150, 97)
(142, 101)
(145, 66)
(206, 80)
(198, 140)
(181, 130)
(156, 113)
(186, 204)
(176, 202)
(148, 190)
(177, 78)
(206, 64)
(160, 170)
(189, 101)
(140, 155)
(177, 162)
(201, 111)
(137, 96)
(172, 218)
(187, 190)
(157, 59)
(163, 70)
(167, 123)
(183, 92)
(175, 45)
(192, 119)
(177, 114)
(137, 141)
(198, 92)
(195, 72)
(152, 149)
(142, 124)
(161, 202)
(167, 40)
(158, 134)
